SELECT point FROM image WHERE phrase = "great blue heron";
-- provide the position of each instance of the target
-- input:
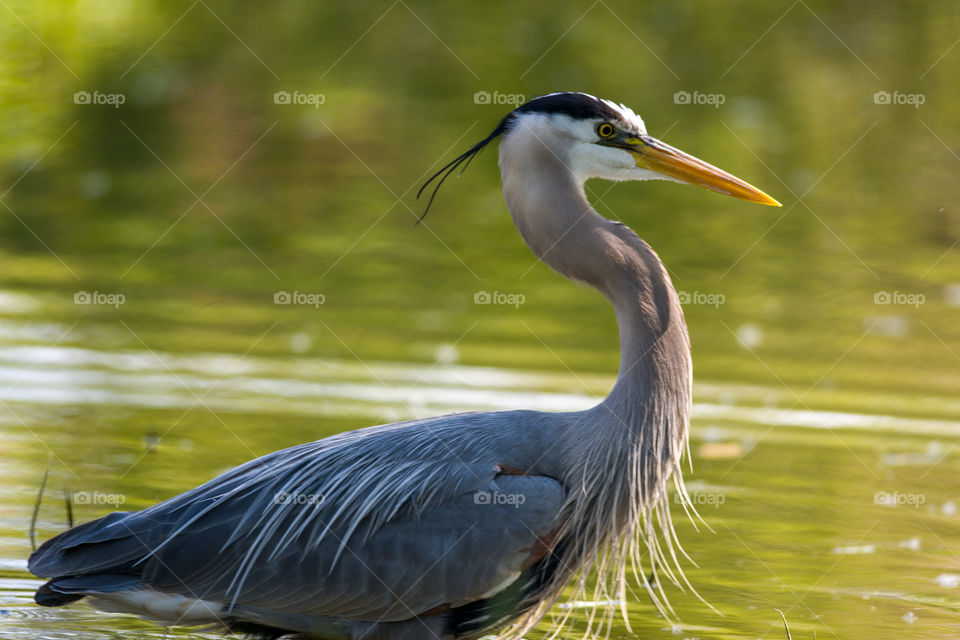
(455, 526)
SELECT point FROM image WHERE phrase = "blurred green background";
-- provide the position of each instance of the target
(303, 198)
(148, 154)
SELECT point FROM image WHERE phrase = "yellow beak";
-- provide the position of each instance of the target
(658, 156)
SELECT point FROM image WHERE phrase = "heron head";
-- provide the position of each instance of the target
(595, 138)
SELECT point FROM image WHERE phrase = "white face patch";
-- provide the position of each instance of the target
(574, 142)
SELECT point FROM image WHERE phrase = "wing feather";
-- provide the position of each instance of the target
(394, 524)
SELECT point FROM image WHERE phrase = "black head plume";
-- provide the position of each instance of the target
(463, 159)
(576, 105)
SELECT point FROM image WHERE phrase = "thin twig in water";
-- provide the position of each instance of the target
(36, 508)
(786, 627)
(68, 500)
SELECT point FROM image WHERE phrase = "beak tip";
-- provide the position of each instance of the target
(657, 156)
(764, 199)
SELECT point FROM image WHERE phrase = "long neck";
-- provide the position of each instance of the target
(551, 212)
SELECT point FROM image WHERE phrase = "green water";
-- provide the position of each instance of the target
(814, 397)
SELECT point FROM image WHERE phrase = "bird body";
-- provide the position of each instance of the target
(404, 528)
(456, 526)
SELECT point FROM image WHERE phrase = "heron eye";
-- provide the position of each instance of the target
(605, 130)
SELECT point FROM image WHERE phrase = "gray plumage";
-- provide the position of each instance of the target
(448, 527)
